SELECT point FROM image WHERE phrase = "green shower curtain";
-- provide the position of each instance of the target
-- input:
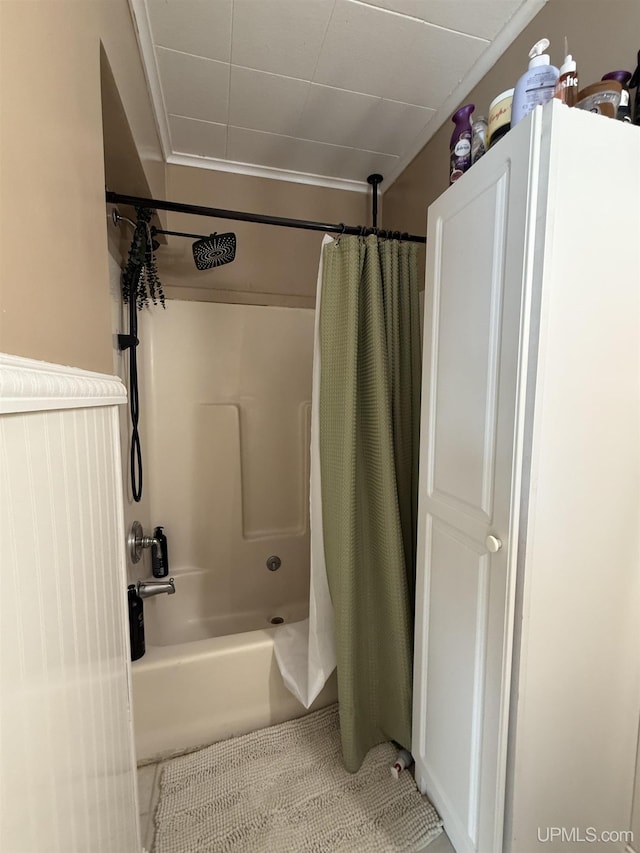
(369, 433)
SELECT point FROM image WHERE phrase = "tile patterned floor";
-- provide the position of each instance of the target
(149, 790)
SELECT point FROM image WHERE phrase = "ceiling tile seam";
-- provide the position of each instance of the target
(324, 38)
(193, 55)
(296, 79)
(333, 88)
(313, 141)
(164, 103)
(379, 98)
(233, 16)
(199, 120)
(419, 21)
(226, 133)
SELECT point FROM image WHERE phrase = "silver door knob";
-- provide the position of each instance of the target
(493, 544)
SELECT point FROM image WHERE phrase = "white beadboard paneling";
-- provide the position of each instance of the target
(360, 121)
(202, 138)
(28, 385)
(194, 87)
(281, 36)
(413, 63)
(484, 18)
(267, 102)
(200, 27)
(283, 152)
(68, 770)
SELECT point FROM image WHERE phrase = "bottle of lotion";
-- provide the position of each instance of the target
(567, 86)
(460, 145)
(537, 84)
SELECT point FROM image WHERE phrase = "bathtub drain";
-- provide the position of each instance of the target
(276, 620)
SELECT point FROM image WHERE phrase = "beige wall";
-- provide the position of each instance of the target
(54, 289)
(273, 266)
(603, 36)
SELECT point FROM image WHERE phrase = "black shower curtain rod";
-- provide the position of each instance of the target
(218, 213)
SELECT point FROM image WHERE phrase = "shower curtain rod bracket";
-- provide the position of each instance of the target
(374, 180)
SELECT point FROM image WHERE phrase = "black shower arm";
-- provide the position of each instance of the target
(155, 231)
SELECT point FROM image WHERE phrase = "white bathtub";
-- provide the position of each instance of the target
(193, 688)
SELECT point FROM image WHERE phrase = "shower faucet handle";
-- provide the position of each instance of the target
(137, 541)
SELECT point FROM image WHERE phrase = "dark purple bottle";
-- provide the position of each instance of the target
(624, 108)
(460, 145)
(634, 83)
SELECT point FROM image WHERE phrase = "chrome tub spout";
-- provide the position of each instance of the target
(148, 588)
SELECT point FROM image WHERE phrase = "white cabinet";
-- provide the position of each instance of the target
(527, 659)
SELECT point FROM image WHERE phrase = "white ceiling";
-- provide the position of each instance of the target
(319, 91)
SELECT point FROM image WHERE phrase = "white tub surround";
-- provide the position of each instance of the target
(226, 401)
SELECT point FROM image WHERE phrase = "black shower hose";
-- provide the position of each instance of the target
(134, 402)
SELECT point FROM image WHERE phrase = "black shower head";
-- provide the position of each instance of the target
(214, 251)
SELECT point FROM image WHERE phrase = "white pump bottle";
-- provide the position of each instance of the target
(537, 84)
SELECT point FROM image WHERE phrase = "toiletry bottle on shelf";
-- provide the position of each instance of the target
(499, 117)
(567, 85)
(460, 146)
(160, 557)
(478, 138)
(537, 84)
(136, 623)
(624, 109)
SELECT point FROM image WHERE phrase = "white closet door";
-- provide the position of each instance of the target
(476, 247)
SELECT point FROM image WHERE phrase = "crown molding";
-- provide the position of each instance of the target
(142, 26)
(267, 172)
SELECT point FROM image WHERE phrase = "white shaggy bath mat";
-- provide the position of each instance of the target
(285, 789)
